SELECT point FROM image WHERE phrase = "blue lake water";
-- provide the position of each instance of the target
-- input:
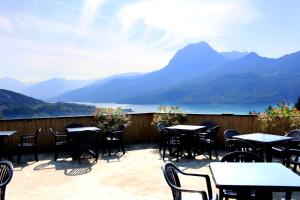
(197, 109)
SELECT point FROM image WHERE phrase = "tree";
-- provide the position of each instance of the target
(297, 104)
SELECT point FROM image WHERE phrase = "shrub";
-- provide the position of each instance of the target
(109, 118)
(170, 115)
(283, 117)
(297, 104)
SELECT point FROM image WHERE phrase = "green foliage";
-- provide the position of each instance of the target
(283, 117)
(109, 118)
(297, 104)
(170, 115)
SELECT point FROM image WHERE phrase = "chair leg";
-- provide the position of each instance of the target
(122, 145)
(164, 151)
(55, 154)
(36, 154)
(19, 155)
(209, 151)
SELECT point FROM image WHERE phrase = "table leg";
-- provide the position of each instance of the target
(268, 149)
(1, 147)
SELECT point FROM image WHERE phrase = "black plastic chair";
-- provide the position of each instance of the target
(238, 145)
(29, 142)
(238, 156)
(229, 133)
(61, 142)
(208, 139)
(283, 150)
(115, 137)
(162, 139)
(86, 143)
(171, 175)
(6, 173)
(173, 140)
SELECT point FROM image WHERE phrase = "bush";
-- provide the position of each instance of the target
(170, 115)
(297, 104)
(109, 118)
(280, 118)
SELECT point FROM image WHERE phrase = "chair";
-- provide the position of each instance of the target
(61, 142)
(29, 142)
(170, 172)
(115, 137)
(238, 156)
(229, 133)
(6, 173)
(159, 128)
(86, 143)
(283, 150)
(173, 140)
(208, 138)
(239, 145)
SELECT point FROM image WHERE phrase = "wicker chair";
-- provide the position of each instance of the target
(238, 145)
(238, 156)
(162, 139)
(6, 173)
(229, 133)
(283, 151)
(173, 140)
(171, 175)
(115, 137)
(61, 142)
(29, 142)
(207, 139)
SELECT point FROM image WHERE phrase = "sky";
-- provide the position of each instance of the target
(88, 39)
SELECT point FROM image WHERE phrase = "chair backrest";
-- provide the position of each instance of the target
(229, 133)
(6, 173)
(53, 132)
(161, 126)
(36, 134)
(241, 156)
(238, 145)
(209, 125)
(294, 134)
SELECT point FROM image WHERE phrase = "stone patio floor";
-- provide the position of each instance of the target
(135, 175)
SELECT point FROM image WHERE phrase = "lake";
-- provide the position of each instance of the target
(196, 109)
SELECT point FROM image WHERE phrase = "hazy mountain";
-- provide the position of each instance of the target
(187, 63)
(13, 84)
(233, 55)
(16, 105)
(54, 87)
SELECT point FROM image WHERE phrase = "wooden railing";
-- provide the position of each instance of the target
(140, 130)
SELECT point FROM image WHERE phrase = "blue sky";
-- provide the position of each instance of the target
(85, 39)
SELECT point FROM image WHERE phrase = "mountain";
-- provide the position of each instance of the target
(16, 105)
(187, 64)
(54, 87)
(233, 55)
(199, 74)
(13, 84)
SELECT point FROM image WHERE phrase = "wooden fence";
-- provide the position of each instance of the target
(140, 130)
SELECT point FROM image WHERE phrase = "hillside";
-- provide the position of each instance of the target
(15, 105)
(199, 74)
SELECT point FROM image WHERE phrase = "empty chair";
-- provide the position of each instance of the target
(173, 143)
(115, 137)
(238, 145)
(170, 172)
(6, 173)
(238, 156)
(162, 139)
(61, 142)
(282, 151)
(86, 143)
(29, 142)
(208, 139)
(229, 133)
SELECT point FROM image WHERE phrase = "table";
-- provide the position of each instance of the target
(72, 132)
(262, 177)
(267, 140)
(3, 135)
(188, 131)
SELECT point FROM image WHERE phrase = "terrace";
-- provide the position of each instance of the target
(135, 175)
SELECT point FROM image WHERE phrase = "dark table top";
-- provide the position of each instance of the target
(82, 129)
(7, 133)
(254, 175)
(187, 127)
(263, 138)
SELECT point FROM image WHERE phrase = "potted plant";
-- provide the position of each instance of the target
(109, 118)
(170, 115)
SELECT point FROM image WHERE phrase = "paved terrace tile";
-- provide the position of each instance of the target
(135, 175)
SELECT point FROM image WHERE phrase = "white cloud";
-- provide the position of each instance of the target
(6, 24)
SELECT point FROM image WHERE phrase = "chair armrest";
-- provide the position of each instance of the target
(61, 135)
(28, 136)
